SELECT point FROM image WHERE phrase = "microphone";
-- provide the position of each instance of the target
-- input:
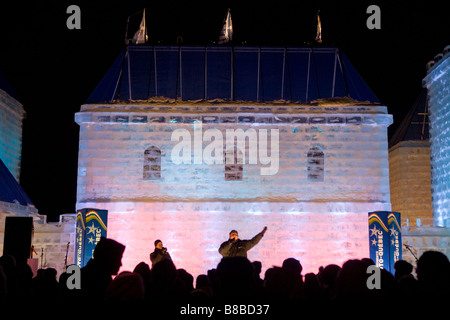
(412, 250)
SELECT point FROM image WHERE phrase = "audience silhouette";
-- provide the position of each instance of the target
(235, 279)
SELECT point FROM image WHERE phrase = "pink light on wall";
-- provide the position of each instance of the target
(193, 232)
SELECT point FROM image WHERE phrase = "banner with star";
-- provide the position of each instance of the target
(91, 226)
(79, 240)
(385, 239)
(395, 238)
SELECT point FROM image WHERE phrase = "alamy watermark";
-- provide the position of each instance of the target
(374, 20)
(74, 20)
(229, 149)
(374, 280)
(74, 279)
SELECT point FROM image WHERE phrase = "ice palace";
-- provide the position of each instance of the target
(333, 159)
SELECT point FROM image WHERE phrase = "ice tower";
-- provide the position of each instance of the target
(328, 127)
(437, 82)
(11, 118)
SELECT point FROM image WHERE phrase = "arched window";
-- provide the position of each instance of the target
(315, 164)
(233, 164)
(152, 164)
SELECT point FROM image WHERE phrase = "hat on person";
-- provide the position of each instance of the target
(108, 249)
(233, 231)
(157, 241)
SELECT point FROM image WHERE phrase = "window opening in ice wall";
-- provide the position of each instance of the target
(316, 164)
(234, 170)
(152, 163)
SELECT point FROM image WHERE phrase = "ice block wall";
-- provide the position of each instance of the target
(11, 117)
(438, 83)
(192, 207)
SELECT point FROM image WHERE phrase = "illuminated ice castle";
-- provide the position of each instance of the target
(332, 143)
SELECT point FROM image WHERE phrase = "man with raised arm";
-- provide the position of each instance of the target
(235, 247)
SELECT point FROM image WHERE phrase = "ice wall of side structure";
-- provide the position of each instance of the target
(437, 82)
(50, 239)
(192, 207)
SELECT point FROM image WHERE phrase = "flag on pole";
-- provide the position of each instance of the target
(226, 35)
(140, 36)
(319, 29)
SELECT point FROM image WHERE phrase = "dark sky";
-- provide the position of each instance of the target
(53, 69)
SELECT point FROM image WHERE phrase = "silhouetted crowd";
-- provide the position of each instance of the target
(234, 279)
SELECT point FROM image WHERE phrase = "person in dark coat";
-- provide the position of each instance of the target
(236, 247)
(160, 253)
(97, 274)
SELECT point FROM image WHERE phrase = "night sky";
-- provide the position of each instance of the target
(53, 69)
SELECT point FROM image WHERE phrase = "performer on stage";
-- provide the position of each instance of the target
(160, 253)
(236, 247)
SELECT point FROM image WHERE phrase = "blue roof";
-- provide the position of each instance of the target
(10, 190)
(231, 73)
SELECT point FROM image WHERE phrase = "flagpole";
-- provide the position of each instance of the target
(145, 27)
(126, 31)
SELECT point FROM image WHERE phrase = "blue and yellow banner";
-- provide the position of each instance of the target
(91, 226)
(385, 239)
(395, 238)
